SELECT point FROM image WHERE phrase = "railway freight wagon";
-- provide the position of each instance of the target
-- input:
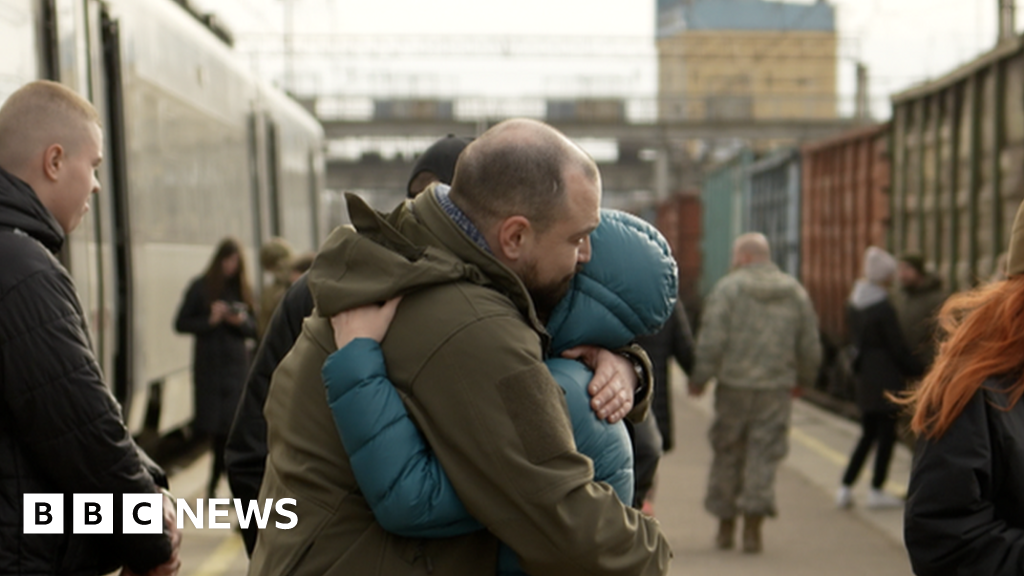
(679, 220)
(845, 210)
(195, 150)
(958, 165)
(773, 207)
(724, 207)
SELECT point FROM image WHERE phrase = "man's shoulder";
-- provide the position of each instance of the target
(26, 260)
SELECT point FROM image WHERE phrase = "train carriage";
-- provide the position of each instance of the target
(196, 149)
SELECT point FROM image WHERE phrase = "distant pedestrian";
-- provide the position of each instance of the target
(759, 339)
(299, 265)
(882, 362)
(655, 436)
(917, 302)
(218, 310)
(275, 258)
(964, 513)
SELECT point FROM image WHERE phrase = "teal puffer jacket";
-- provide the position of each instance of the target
(628, 289)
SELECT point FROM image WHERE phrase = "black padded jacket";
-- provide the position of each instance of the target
(61, 430)
(965, 506)
(246, 451)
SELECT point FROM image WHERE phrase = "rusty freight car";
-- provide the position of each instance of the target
(845, 210)
(679, 219)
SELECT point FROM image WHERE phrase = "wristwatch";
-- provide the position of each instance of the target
(641, 374)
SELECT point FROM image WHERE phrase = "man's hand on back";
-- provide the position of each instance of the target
(614, 382)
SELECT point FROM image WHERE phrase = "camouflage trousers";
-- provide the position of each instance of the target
(750, 437)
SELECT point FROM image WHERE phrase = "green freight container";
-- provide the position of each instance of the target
(774, 207)
(724, 196)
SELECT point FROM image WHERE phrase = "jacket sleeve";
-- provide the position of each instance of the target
(642, 400)
(500, 427)
(682, 339)
(808, 343)
(897, 347)
(61, 411)
(194, 313)
(950, 521)
(248, 327)
(409, 492)
(712, 338)
(246, 451)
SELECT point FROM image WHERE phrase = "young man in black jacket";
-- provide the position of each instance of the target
(61, 430)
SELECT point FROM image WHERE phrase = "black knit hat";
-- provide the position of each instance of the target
(439, 160)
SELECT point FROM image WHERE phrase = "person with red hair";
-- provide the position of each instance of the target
(965, 507)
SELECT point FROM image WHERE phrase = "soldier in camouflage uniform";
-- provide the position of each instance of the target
(759, 340)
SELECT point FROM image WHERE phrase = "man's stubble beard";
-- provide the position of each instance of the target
(546, 296)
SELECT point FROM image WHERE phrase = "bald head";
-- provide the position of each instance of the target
(518, 167)
(37, 116)
(750, 248)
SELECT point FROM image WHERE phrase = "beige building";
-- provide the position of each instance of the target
(746, 59)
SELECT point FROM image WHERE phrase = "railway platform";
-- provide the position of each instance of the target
(811, 537)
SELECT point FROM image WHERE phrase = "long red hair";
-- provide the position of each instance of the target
(981, 335)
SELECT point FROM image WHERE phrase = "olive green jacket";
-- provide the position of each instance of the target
(465, 351)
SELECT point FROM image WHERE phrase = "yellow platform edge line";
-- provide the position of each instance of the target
(834, 456)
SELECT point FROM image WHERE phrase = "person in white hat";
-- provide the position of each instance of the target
(881, 361)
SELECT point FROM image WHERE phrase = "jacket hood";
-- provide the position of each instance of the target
(764, 281)
(866, 294)
(628, 288)
(415, 246)
(21, 209)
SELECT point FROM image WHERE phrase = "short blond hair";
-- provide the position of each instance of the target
(38, 115)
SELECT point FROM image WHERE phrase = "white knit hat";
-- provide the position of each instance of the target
(879, 265)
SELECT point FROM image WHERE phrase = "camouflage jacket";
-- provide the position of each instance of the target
(758, 331)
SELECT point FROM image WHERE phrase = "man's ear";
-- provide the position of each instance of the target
(514, 234)
(53, 161)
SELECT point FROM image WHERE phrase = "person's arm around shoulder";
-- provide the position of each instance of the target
(951, 521)
(62, 412)
(409, 492)
(500, 427)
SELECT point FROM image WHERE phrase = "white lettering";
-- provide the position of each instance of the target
(287, 513)
(197, 518)
(215, 513)
(253, 511)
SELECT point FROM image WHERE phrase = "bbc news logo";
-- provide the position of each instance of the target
(143, 513)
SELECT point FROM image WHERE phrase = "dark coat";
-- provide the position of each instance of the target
(916, 309)
(246, 451)
(965, 507)
(220, 357)
(674, 340)
(884, 360)
(60, 428)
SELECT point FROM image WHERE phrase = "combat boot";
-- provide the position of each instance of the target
(752, 534)
(726, 531)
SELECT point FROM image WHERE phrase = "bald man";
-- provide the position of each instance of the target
(759, 340)
(62, 431)
(480, 264)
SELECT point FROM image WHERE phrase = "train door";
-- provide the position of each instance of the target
(264, 172)
(108, 247)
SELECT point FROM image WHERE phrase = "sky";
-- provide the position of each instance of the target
(463, 46)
